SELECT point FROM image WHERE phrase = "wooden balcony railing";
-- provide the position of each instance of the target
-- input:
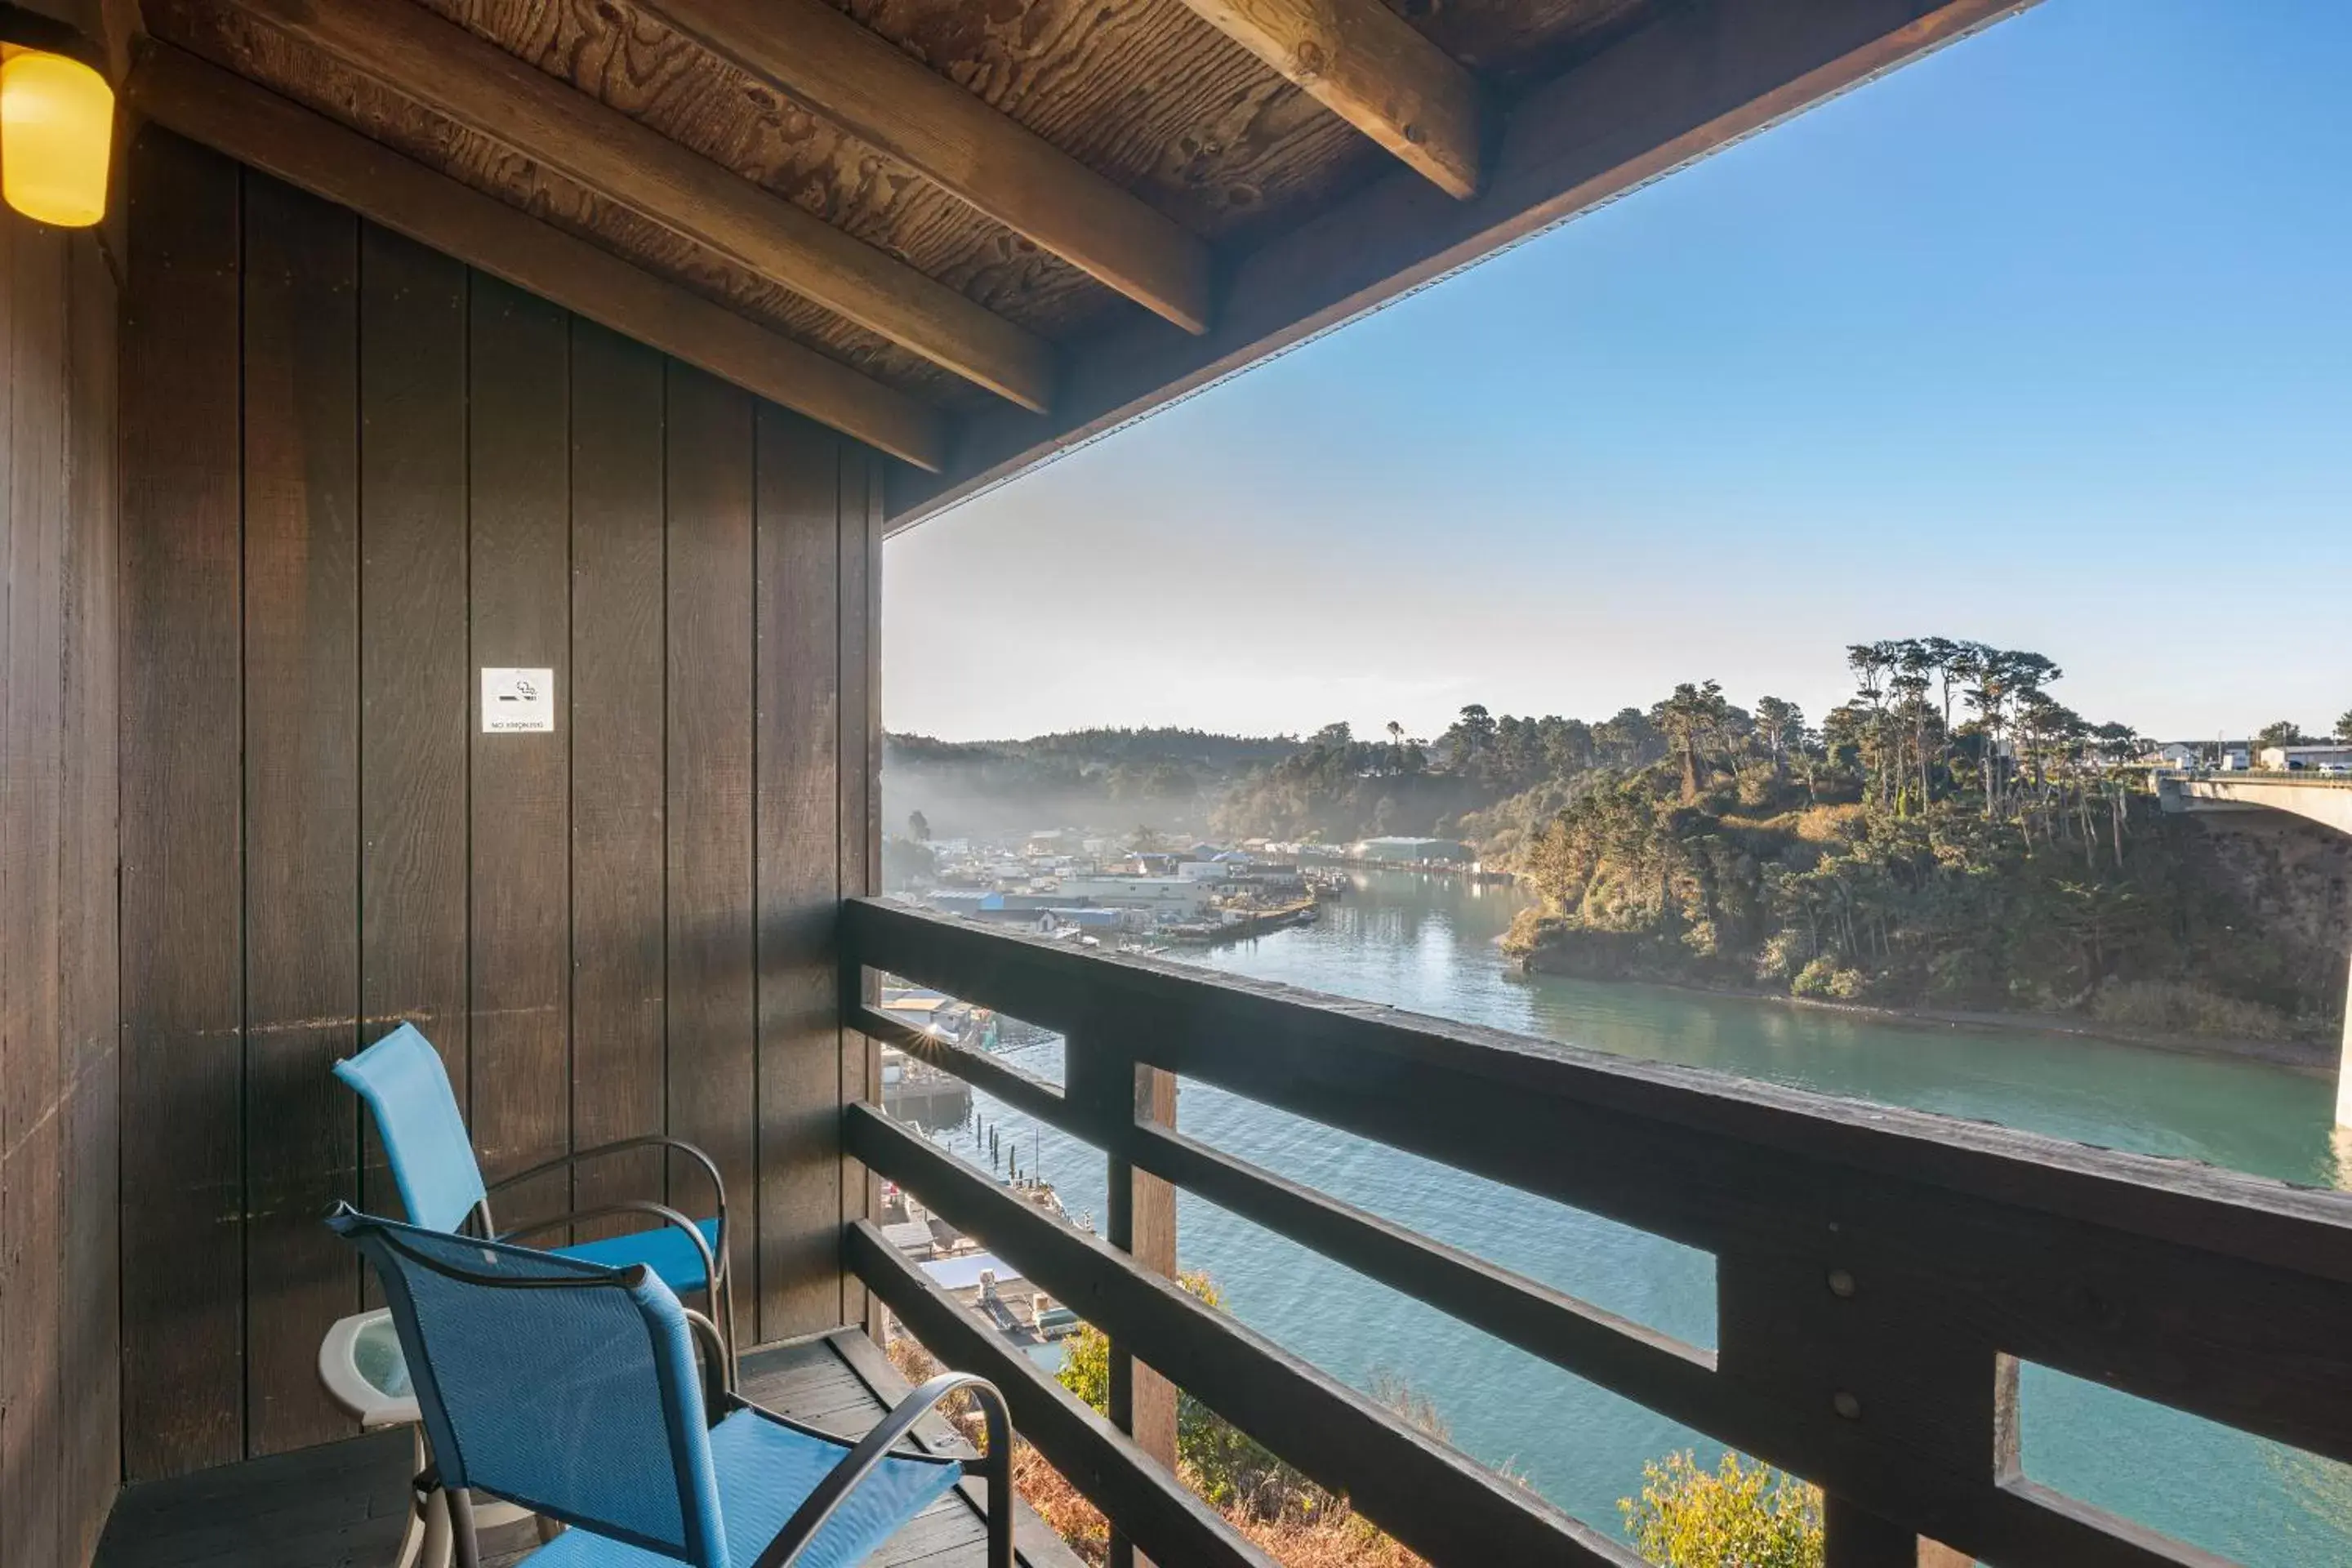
(1880, 1273)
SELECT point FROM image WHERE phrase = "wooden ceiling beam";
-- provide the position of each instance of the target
(1703, 76)
(468, 80)
(281, 138)
(1367, 65)
(812, 53)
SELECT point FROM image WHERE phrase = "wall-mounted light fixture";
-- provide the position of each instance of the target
(56, 121)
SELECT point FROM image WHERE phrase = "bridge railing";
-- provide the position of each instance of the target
(1880, 1273)
(2261, 775)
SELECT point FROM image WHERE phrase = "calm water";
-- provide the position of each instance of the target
(1427, 944)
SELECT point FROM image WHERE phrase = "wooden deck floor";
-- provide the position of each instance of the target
(345, 1505)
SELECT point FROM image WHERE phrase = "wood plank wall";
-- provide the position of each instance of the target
(58, 1217)
(356, 474)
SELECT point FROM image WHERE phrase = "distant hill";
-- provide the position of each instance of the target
(1109, 779)
(1104, 746)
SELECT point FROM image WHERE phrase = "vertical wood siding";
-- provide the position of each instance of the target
(184, 1105)
(357, 474)
(302, 783)
(416, 682)
(708, 880)
(58, 1217)
(518, 454)
(798, 872)
(619, 763)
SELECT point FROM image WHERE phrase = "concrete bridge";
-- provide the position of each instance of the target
(2317, 798)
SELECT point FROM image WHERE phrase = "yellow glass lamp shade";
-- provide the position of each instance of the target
(57, 124)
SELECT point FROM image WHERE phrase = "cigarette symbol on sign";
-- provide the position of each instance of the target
(518, 701)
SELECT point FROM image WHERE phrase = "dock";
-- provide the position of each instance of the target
(1244, 925)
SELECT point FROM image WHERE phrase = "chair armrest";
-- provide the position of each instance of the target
(662, 1212)
(875, 1446)
(717, 1366)
(622, 1146)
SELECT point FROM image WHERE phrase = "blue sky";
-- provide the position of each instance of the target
(2044, 341)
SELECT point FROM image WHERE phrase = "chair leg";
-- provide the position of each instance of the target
(1001, 1526)
(728, 1289)
(461, 1527)
(1003, 1504)
(718, 1295)
(435, 1550)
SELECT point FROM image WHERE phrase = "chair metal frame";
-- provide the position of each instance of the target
(719, 1284)
(721, 1400)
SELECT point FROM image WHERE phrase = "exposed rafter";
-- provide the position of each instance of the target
(1365, 64)
(1703, 75)
(811, 52)
(258, 128)
(474, 83)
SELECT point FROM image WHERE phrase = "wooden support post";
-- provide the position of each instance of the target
(2344, 1063)
(1854, 1539)
(858, 519)
(1142, 1221)
(1859, 1540)
(861, 1190)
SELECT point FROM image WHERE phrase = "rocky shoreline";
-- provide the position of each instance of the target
(2315, 1057)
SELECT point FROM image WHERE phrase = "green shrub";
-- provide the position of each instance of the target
(1777, 958)
(1733, 1515)
(2174, 1007)
(1231, 1470)
(1813, 980)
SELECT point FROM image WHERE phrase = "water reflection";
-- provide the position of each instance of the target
(1444, 960)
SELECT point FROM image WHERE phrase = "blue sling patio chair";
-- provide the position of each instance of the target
(407, 1091)
(573, 1389)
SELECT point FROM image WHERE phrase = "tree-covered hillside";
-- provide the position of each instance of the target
(1952, 836)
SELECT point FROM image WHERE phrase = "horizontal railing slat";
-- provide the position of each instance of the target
(1142, 1500)
(1010, 1084)
(2017, 1522)
(2219, 1294)
(1617, 1353)
(1436, 1501)
(2121, 1540)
